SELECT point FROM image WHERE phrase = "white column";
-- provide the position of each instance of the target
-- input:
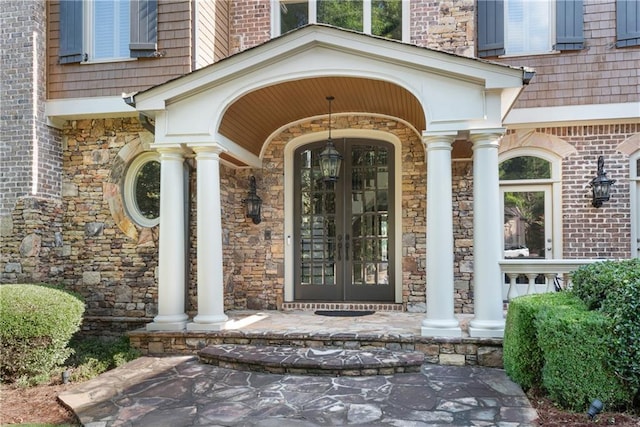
(440, 320)
(487, 235)
(209, 217)
(171, 260)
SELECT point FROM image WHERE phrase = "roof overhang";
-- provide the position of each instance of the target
(241, 101)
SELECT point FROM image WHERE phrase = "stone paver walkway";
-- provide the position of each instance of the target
(181, 391)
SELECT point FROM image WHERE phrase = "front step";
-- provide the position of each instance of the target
(311, 361)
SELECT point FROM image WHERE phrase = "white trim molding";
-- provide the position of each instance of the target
(58, 111)
(573, 114)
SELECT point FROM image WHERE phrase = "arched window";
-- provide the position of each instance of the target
(530, 198)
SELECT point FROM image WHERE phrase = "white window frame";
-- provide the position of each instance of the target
(88, 35)
(366, 12)
(129, 190)
(554, 184)
(634, 194)
(551, 36)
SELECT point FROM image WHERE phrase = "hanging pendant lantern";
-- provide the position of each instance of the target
(330, 158)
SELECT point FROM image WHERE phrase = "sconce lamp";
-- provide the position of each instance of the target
(253, 203)
(330, 158)
(601, 185)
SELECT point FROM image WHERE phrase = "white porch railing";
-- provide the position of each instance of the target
(537, 275)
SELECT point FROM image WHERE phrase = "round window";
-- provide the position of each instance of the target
(142, 190)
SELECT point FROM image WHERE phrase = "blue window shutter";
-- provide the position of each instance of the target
(490, 28)
(569, 25)
(144, 28)
(628, 23)
(71, 31)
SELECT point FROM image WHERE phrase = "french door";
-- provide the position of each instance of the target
(528, 231)
(343, 231)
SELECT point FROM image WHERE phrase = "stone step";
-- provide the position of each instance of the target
(312, 361)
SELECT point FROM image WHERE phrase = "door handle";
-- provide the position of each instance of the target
(340, 247)
(346, 247)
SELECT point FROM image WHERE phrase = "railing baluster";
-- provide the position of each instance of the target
(513, 291)
(532, 283)
(550, 285)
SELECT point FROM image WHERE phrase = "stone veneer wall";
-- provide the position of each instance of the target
(78, 242)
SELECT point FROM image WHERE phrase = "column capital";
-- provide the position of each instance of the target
(170, 150)
(438, 140)
(201, 148)
(486, 136)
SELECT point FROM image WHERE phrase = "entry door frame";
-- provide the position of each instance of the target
(289, 189)
(555, 185)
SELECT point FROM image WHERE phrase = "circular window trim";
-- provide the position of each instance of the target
(129, 191)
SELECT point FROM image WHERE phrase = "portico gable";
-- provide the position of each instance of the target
(230, 111)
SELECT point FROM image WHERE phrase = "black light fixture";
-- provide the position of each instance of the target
(253, 203)
(601, 185)
(330, 158)
(595, 408)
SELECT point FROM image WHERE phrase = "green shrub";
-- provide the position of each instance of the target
(523, 357)
(93, 356)
(623, 307)
(36, 324)
(595, 282)
(575, 350)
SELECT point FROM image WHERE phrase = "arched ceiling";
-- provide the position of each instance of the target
(252, 118)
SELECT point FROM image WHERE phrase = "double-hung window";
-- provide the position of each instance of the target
(384, 18)
(525, 27)
(107, 30)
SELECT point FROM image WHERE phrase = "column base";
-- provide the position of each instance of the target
(208, 323)
(166, 326)
(486, 328)
(173, 322)
(441, 328)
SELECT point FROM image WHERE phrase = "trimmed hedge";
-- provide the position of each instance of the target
(523, 357)
(594, 283)
(575, 349)
(36, 324)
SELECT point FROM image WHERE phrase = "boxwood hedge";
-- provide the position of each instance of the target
(523, 357)
(36, 324)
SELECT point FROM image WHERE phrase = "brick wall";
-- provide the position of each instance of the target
(590, 232)
(31, 153)
(444, 25)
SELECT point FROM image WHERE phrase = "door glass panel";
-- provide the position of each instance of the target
(341, 230)
(369, 224)
(524, 224)
(317, 226)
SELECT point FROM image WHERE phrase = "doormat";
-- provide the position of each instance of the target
(343, 313)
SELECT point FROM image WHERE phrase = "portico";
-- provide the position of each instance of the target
(230, 112)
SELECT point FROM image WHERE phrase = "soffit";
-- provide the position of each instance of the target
(250, 120)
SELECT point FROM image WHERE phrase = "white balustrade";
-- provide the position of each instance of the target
(537, 275)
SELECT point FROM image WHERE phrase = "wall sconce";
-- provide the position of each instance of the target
(253, 203)
(330, 158)
(601, 185)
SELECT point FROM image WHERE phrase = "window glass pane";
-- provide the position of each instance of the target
(111, 20)
(525, 167)
(528, 26)
(524, 224)
(386, 18)
(340, 13)
(638, 168)
(147, 190)
(293, 14)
